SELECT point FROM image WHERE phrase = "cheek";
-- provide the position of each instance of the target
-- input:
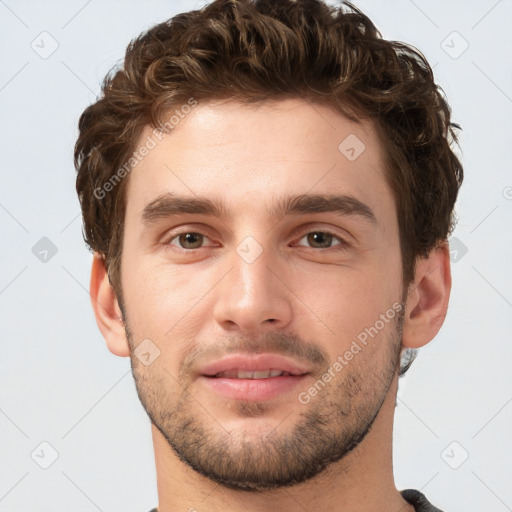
(340, 305)
(161, 299)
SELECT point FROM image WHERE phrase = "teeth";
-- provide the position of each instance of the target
(262, 374)
(243, 374)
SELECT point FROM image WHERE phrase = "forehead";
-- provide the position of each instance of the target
(244, 154)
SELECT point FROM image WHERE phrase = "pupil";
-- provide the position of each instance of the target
(190, 238)
(317, 238)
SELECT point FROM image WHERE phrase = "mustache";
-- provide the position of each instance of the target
(283, 344)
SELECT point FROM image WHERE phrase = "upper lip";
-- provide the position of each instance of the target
(257, 362)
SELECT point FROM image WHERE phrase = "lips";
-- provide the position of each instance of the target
(260, 366)
(242, 374)
(257, 377)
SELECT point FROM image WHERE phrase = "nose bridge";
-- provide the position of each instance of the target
(251, 295)
(251, 273)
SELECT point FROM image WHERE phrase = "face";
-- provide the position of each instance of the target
(256, 239)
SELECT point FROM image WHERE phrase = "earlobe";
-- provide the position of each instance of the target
(427, 298)
(106, 309)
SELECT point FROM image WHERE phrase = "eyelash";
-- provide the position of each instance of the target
(342, 242)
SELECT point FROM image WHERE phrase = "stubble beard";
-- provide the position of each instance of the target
(323, 432)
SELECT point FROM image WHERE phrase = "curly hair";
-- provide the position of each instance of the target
(266, 50)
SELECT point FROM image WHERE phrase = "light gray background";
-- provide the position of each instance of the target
(60, 384)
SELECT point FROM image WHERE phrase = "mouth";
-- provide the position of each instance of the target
(256, 374)
(258, 378)
(254, 366)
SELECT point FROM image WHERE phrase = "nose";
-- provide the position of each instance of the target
(253, 296)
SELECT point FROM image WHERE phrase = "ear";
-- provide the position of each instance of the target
(427, 298)
(106, 309)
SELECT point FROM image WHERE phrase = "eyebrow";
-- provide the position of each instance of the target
(170, 204)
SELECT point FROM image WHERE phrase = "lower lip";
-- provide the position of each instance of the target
(253, 389)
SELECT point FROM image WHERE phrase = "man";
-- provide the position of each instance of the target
(268, 188)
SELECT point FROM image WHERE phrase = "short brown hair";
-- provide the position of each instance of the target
(265, 50)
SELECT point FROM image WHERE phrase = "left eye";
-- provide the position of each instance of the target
(322, 239)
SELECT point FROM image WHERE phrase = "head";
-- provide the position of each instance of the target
(233, 110)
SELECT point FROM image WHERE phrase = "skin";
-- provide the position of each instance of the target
(303, 297)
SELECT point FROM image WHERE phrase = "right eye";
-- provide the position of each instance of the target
(187, 240)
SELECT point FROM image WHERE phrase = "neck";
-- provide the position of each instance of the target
(361, 481)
